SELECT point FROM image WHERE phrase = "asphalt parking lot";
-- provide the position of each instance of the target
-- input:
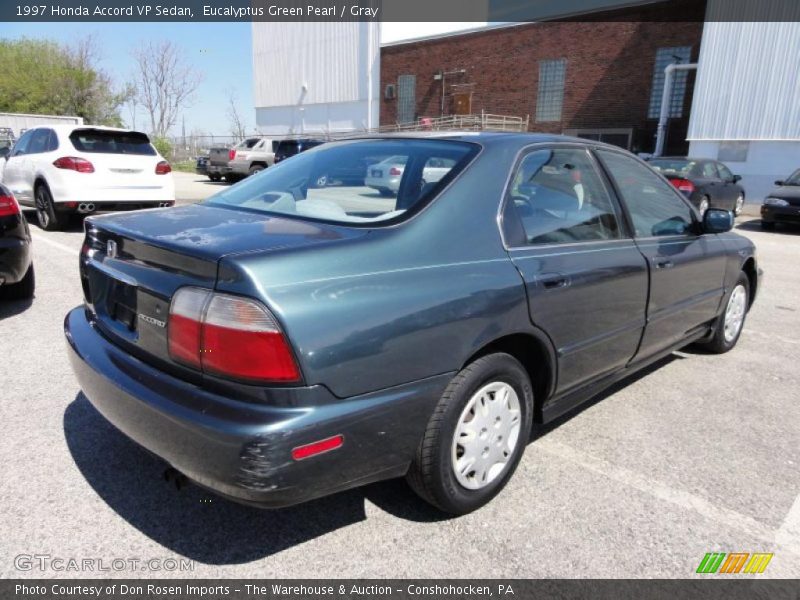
(698, 454)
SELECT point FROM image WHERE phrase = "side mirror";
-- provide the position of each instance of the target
(737, 178)
(717, 220)
(779, 182)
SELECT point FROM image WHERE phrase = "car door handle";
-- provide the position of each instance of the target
(554, 281)
(663, 263)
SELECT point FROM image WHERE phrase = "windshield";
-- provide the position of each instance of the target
(111, 142)
(673, 166)
(794, 178)
(349, 182)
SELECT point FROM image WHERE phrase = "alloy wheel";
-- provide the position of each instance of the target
(42, 209)
(734, 313)
(486, 436)
(737, 208)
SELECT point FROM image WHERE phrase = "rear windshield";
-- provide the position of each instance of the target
(249, 143)
(111, 142)
(347, 182)
(668, 166)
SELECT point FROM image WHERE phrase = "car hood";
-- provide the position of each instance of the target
(787, 192)
(209, 232)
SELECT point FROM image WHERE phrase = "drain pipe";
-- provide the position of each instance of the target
(666, 101)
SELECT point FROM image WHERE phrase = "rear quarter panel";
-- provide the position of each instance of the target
(402, 303)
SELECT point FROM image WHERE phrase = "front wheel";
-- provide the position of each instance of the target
(476, 436)
(730, 323)
(738, 205)
(215, 177)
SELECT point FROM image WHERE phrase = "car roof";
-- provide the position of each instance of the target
(487, 138)
(67, 129)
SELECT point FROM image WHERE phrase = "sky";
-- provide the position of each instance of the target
(221, 51)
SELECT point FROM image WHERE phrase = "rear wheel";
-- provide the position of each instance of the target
(704, 204)
(215, 177)
(46, 214)
(256, 169)
(730, 323)
(768, 225)
(476, 436)
(23, 289)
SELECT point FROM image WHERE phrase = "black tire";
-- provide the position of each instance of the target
(23, 289)
(215, 177)
(432, 474)
(256, 169)
(46, 214)
(768, 225)
(386, 193)
(719, 344)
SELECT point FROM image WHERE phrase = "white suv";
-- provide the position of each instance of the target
(64, 169)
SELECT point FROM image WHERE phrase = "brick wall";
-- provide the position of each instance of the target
(609, 72)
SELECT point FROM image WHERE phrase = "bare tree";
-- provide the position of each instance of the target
(164, 83)
(235, 121)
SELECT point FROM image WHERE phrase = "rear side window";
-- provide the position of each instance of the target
(655, 207)
(111, 142)
(559, 198)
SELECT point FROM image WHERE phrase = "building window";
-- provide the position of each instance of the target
(550, 98)
(617, 136)
(733, 151)
(406, 98)
(665, 57)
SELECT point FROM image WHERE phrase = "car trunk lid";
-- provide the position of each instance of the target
(132, 264)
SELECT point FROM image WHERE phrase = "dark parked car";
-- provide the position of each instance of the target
(707, 183)
(201, 166)
(282, 341)
(16, 269)
(288, 148)
(783, 203)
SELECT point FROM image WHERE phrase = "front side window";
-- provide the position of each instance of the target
(560, 198)
(550, 98)
(21, 147)
(357, 182)
(724, 172)
(656, 208)
(39, 141)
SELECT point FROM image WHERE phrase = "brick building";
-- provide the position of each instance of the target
(600, 78)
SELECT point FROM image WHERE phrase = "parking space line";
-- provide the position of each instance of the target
(688, 501)
(63, 247)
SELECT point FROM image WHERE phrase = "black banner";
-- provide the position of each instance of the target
(492, 11)
(422, 589)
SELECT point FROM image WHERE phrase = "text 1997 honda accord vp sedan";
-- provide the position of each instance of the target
(293, 336)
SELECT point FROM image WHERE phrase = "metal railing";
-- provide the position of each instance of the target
(189, 147)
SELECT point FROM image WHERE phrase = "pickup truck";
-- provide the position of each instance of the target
(251, 156)
(218, 157)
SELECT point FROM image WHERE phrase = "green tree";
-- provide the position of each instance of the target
(43, 77)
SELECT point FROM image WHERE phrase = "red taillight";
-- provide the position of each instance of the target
(73, 163)
(229, 336)
(8, 206)
(684, 185)
(231, 154)
(319, 447)
(163, 168)
(395, 171)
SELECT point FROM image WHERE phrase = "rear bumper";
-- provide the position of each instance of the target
(241, 449)
(15, 258)
(780, 214)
